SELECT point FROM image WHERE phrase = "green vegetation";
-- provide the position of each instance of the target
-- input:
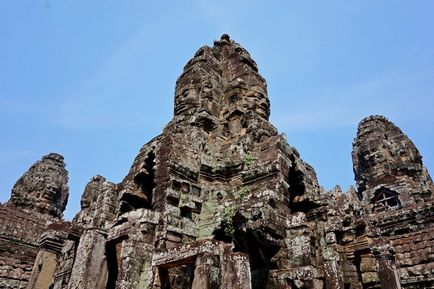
(242, 192)
(228, 222)
(249, 160)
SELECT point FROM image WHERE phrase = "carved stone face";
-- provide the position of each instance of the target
(383, 155)
(249, 101)
(43, 187)
(186, 101)
(221, 81)
(259, 104)
(51, 196)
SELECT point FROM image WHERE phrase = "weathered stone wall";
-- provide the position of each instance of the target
(19, 240)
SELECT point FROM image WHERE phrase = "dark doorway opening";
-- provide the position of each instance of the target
(179, 277)
(260, 254)
(113, 259)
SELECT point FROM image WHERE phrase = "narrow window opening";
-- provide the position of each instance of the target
(141, 197)
(176, 185)
(272, 203)
(179, 277)
(357, 261)
(206, 123)
(385, 198)
(339, 237)
(145, 180)
(173, 201)
(186, 213)
(195, 191)
(58, 198)
(197, 207)
(360, 230)
(131, 202)
(296, 188)
(303, 206)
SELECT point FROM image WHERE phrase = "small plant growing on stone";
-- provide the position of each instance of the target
(249, 160)
(228, 222)
(242, 192)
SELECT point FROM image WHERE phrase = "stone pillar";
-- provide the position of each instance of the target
(135, 266)
(207, 273)
(387, 272)
(90, 260)
(147, 272)
(298, 241)
(64, 264)
(236, 271)
(332, 270)
(46, 262)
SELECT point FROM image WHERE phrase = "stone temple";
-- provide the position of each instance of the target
(220, 200)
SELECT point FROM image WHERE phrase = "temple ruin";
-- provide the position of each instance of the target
(221, 200)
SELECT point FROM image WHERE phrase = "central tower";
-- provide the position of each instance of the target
(212, 201)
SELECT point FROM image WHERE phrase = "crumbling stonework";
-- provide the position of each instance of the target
(385, 159)
(388, 236)
(38, 199)
(220, 200)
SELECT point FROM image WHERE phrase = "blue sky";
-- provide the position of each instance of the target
(94, 80)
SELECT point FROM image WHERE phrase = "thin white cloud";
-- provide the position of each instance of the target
(95, 112)
(403, 97)
(93, 105)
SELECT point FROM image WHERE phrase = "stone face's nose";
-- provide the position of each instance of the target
(220, 82)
